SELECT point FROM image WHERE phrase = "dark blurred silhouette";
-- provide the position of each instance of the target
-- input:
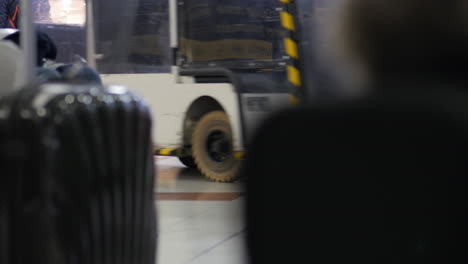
(406, 40)
(381, 178)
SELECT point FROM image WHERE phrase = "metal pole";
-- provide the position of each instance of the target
(90, 35)
(173, 24)
(28, 42)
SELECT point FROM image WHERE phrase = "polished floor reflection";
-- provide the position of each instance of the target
(199, 221)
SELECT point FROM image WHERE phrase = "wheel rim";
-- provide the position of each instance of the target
(218, 146)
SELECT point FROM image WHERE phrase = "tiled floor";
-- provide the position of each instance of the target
(200, 222)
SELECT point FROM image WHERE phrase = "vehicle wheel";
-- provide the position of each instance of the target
(212, 148)
(188, 162)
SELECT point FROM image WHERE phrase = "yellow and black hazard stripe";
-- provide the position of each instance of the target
(180, 152)
(289, 23)
(168, 152)
(239, 155)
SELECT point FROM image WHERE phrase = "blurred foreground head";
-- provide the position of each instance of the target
(406, 38)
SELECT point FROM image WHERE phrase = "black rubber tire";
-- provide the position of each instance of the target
(226, 170)
(188, 162)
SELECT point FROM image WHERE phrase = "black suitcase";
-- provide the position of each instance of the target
(378, 181)
(22, 219)
(87, 175)
(4, 191)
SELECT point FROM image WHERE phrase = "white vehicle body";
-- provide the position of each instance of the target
(170, 98)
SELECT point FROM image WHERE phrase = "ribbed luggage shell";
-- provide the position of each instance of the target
(88, 175)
